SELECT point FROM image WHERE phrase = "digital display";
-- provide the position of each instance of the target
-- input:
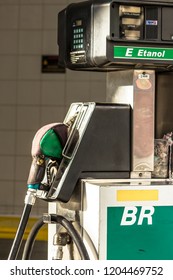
(77, 22)
(132, 34)
(131, 21)
(130, 10)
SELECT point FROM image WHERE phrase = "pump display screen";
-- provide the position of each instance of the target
(78, 22)
(131, 22)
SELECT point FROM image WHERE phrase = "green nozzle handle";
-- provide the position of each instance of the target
(48, 142)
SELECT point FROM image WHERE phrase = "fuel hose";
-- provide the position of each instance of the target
(57, 219)
(29, 202)
(19, 234)
(28, 248)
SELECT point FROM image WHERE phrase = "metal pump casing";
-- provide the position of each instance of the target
(98, 147)
(109, 35)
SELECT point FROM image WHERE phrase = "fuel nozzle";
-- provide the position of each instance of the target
(48, 143)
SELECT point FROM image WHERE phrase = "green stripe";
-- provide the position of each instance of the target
(143, 53)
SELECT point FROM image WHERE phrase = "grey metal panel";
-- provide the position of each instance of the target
(164, 104)
(121, 89)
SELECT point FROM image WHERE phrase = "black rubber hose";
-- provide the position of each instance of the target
(73, 233)
(20, 231)
(31, 239)
(67, 225)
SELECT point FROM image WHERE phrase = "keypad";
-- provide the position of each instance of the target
(78, 40)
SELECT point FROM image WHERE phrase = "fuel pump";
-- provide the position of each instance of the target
(101, 174)
(132, 41)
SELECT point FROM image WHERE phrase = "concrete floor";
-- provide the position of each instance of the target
(39, 250)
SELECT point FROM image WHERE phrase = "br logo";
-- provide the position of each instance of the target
(133, 214)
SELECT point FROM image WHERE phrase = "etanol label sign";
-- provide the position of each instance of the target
(143, 53)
